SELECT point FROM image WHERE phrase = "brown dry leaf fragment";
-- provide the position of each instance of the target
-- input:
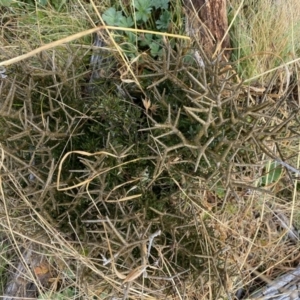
(135, 273)
(42, 269)
(147, 104)
(44, 274)
(154, 108)
(119, 275)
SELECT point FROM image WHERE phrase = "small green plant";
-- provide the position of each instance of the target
(64, 295)
(145, 14)
(273, 173)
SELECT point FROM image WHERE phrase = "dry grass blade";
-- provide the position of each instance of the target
(137, 272)
(77, 36)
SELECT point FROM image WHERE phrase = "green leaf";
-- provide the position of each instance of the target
(142, 4)
(155, 49)
(163, 22)
(112, 17)
(162, 4)
(126, 22)
(146, 39)
(64, 295)
(131, 37)
(273, 173)
(144, 8)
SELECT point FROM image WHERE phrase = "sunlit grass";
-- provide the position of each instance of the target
(264, 36)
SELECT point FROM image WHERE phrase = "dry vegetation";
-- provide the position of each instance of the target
(161, 181)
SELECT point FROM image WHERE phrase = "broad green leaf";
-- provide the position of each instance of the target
(144, 8)
(131, 37)
(142, 16)
(163, 22)
(142, 4)
(126, 22)
(112, 17)
(162, 4)
(146, 39)
(155, 49)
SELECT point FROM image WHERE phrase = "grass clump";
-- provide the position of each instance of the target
(265, 35)
(160, 182)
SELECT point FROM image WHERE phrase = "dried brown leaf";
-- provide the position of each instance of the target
(147, 104)
(135, 273)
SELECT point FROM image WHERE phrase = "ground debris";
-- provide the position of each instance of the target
(29, 275)
(285, 287)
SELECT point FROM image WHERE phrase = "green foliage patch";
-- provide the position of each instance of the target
(144, 14)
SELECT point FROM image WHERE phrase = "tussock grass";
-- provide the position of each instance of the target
(161, 184)
(265, 35)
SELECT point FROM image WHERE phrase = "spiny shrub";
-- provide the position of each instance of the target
(205, 117)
